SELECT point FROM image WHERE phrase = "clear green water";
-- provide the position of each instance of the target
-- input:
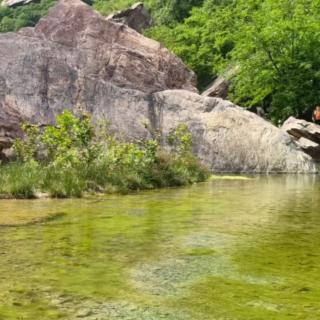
(224, 250)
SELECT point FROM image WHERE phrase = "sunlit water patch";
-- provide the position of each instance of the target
(231, 248)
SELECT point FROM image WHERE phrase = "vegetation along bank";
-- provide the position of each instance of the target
(74, 157)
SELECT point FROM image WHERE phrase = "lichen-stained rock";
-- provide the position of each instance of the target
(136, 17)
(44, 69)
(10, 120)
(299, 128)
(226, 137)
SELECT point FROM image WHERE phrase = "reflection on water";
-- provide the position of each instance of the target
(227, 249)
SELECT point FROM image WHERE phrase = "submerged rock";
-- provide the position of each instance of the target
(74, 56)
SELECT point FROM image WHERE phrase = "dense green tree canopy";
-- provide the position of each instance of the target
(273, 45)
(278, 57)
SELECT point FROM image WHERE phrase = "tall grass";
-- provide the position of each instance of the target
(27, 181)
(19, 180)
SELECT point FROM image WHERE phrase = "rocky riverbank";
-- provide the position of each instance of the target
(75, 57)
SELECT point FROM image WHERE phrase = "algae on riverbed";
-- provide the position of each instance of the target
(226, 249)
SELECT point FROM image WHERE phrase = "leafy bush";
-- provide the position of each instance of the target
(72, 157)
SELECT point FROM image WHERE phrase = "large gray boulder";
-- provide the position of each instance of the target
(226, 137)
(15, 3)
(65, 59)
(76, 57)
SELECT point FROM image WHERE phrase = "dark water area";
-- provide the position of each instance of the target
(228, 249)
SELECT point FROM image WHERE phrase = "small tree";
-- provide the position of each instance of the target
(278, 57)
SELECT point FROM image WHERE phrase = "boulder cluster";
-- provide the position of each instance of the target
(76, 57)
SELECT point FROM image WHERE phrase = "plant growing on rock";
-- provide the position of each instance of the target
(180, 139)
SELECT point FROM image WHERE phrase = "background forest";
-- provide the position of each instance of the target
(268, 49)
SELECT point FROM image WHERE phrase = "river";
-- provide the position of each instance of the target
(228, 249)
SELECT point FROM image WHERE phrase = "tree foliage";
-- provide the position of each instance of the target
(272, 45)
(165, 12)
(12, 19)
(168, 12)
(278, 58)
(201, 40)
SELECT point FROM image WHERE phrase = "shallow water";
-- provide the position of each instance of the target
(229, 249)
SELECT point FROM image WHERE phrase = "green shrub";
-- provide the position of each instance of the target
(73, 157)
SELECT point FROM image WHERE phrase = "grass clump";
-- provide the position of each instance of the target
(73, 157)
(19, 180)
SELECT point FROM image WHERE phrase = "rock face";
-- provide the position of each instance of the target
(75, 57)
(229, 138)
(136, 17)
(14, 3)
(306, 134)
(68, 57)
(218, 88)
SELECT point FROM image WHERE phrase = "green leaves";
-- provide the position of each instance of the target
(73, 156)
(26, 149)
(202, 40)
(277, 57)
(180, 139)
(272, 45)
(70, 140)
(165, 12)
(12, 19)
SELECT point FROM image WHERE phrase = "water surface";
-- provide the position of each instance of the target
(229, 249)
